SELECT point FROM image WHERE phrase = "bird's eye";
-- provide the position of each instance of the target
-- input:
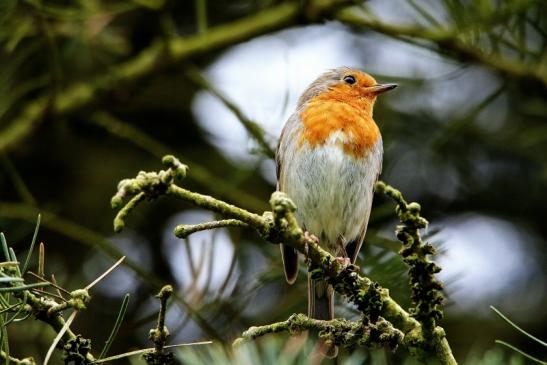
(349, 79)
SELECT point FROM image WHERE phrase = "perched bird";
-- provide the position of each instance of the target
(328, 158)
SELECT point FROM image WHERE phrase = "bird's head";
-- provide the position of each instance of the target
(345, 83)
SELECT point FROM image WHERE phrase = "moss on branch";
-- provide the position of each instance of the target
(280, 225)
(340, 332)
(49, 311)
(15, 361)
(160, 334)
(184, 230)
(426, 290)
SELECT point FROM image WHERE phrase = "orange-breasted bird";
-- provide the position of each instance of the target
(328, 158)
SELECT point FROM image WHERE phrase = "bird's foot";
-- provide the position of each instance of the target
(311, 237)
(308, 237)
(343, 261)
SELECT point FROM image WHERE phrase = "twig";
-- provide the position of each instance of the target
(50, 282)
(254, 129)
(160, 334)
(201, 15)
(200, 174)
(184, 230)
(448, 42)
(14, 361)
(339, 331)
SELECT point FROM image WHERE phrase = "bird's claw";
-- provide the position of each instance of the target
(311, 237)
(343, 261)
(308, 237)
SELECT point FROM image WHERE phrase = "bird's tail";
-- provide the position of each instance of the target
(321, 306)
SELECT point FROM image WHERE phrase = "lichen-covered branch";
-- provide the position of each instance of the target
(184, 230)
(426, 296)
(42, 309)
(279, 225)
(340, 332)
(160, 334)
(130, 133)
(15, 361)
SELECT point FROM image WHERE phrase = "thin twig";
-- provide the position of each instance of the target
(184, 230)
(254, 129)
(448, 42)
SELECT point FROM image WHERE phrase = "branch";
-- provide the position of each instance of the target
(279, 225)
(162, 53)
(338, 331)
(13, 360)
(96, 241)
(448, 42)
(200, 174)
(184, 230)
(426, 289)
(252, 127)
(160, 334)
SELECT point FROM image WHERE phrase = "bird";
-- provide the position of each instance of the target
(328, 158)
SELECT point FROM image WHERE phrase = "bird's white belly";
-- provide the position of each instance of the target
(332, 190)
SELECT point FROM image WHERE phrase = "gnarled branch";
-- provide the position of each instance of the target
(280, 225)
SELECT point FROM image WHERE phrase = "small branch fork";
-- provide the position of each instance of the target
(160, 334)
(415, 330)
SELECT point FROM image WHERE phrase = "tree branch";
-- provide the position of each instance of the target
(252, 127)
(200, 174)
(184, 230)
(162, 53)
(353, 334)
(447, 40)
(279, 225)
(13, 360)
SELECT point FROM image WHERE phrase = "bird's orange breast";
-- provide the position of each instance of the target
(330, 113)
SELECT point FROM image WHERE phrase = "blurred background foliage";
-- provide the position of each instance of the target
(92, 91)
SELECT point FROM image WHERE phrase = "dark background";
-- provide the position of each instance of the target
(465, 135)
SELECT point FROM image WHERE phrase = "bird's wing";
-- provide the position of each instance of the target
(353, 247)
(288, 254)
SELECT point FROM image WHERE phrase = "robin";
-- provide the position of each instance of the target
(328, 158)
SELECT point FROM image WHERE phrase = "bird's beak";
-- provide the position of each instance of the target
(381, 88)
